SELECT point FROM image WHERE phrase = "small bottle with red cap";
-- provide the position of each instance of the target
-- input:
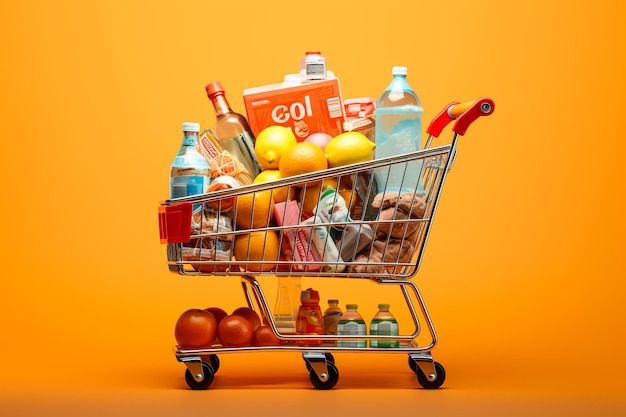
(312, 67)
(232, 130)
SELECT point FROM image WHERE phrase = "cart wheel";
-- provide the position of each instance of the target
(412, 365)
(329, 358)
(214, 361)
(333, 377)
(426, 383)
(200, 385)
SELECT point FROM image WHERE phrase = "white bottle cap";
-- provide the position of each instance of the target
(191, 127)
(398, 71)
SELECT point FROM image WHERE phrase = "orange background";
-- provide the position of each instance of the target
(522, 274)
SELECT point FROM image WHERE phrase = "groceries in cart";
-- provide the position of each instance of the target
(213, 327)
(302, 128)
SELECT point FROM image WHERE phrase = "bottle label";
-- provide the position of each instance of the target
(331, 321)
(188, 185)
(384, 328)
(209, 146)
(309, 322)
(351, 328)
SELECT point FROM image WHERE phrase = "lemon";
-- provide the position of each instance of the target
(349, 148)
(271, 143)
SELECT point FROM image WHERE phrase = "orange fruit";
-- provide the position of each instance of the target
(257, 246)
(280, 194)
(302, 158)
(310, 195)
(254, 210)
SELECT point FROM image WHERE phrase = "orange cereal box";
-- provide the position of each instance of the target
(304, 108)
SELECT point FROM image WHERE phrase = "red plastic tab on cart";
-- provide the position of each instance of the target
(175, 223)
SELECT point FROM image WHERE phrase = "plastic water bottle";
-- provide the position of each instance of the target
(384, 324)
(190, 171)
(352, 323)
(398, 131)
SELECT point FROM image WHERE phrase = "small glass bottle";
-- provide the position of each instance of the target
(312, 67)
(351, 323)
(190, 171)
(384, 324)
(287, 304)
(232, 130)
(332, 315)
(310, 316)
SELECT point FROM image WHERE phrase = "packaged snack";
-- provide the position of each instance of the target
(361, 116)
(349, 237)
(211, 240)
(304, 108)
(296, 241)
(222, 162)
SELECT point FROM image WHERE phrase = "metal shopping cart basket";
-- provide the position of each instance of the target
(382, 239)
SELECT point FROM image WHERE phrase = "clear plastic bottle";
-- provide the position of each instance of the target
(398, 131)
(190, 171)
(332, 315)
(287, 302)
(310, 316)
(384, 324)
(232, 130)
(351, 323)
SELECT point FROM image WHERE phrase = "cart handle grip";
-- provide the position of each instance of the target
(463, 113)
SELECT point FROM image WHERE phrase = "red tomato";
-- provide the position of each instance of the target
(250, 315)
(219, 315)
(195, 328)
(264, 336)
(235, 331)
(217, 312)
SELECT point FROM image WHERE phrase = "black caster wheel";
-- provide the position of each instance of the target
(426, 383)
(206, 382)
(212, 360)
(331, 381)
(412, 365)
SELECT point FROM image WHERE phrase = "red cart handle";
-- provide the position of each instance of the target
(463, 113)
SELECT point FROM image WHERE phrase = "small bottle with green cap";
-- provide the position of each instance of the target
(384, 324)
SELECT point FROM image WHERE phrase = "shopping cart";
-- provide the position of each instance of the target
(387, 241)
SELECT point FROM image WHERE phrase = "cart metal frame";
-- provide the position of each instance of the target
(175, 227)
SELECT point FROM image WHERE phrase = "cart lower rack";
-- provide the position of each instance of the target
(360, 229)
